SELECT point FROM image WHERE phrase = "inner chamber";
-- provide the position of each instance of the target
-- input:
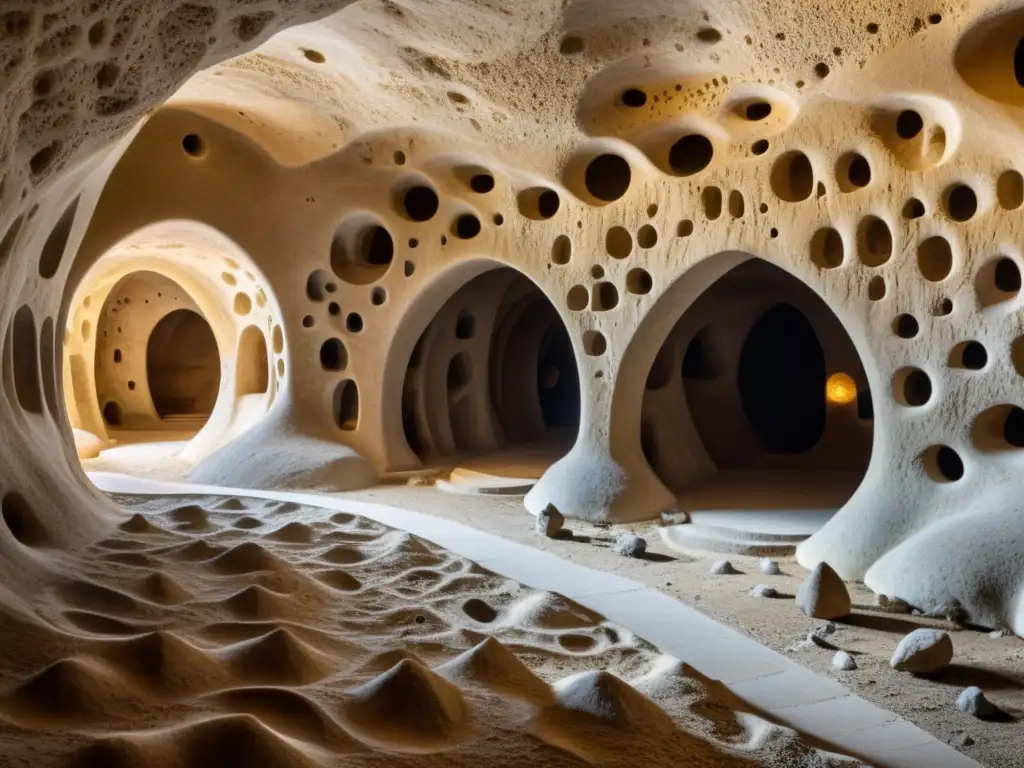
(157, 365)
(758, 399)
(492, 384)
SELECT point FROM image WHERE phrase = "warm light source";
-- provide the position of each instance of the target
(840, 389)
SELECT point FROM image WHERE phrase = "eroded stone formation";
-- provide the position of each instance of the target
(412, 229)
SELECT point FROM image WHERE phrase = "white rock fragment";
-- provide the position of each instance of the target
(823, 595)
(763, 590)
(996, 634)
(723, 568)
(972, 701)
(629, 545)
(923, 651)
(844, 661)
(549, 522)
(770, 567)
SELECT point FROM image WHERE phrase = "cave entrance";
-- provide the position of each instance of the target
(491, 387)
(157, 365)
(758, 402)
(183, 366)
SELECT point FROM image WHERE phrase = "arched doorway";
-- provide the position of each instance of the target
(157, 365)
(742, 409)
(183, 366)
(491, 385)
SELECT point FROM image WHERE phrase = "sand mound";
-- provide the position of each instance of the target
(342, 518)
(131, 559)
(491, 665)
(289, 713)
(165, 663)
(89, 596)
(385, 660)
(292, 533)
(194, 551)
(114, 752)
(408, 708)
(78, 688)
(283, 507)
(100, 624)
(191, 518)
(546, 610)
(231, 504)
(256, 602)
(160, 588)
(278, 657)
(338, 579)
(248, 557)
(247, 522)
(342, 555)
(137, 523)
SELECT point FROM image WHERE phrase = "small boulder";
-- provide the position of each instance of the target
(972, 701)
(924, 651)
(996, 634)
(629, 545)
(549, 522)
(770, 567)
(844, 661)
(723, 568)
(763, 590)
(823, 595)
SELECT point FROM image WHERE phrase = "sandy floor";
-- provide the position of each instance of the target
(996, 665)
(225, 632)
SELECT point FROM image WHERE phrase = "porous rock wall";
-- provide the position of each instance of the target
(396, 151)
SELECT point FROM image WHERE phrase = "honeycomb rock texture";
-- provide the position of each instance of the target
(382, 190)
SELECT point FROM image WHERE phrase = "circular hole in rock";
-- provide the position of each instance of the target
(479, 611)
(467, 226)
(1010, 190)
(999, 428)
(759, 110)
(420, 203)
(961, 203)
(243, 304)
(913, 209)
(465, 326)
(912, 387)
(854, 172)
(647, 237)
(943, 307)
(1013, 427)
(193, 145)
(792, 177)
(561, 250)
(334, 309)
(378, 296)
(21, 521)
(361, 252)
(308, 321)
(333, 355)
(905, 326)
(685, 228)
(618, 242)
(760, 146)
(908, 124)
(970, 355)
(935, 258)
(607, 177)
(827, 250)
(481, 183)
(112, 413)
(633, 97)
(354, 322)
(876, 288)
(578, 298)
(399, 157)
(943, 464)
(690, 154)
(538, 203)
(131, 385)
(604, 297)
(821, 70)
(597, 271)
(1007, 275)
(639, 281)
(409, 269)
(117, 355)
(874, 241)
(594, 343)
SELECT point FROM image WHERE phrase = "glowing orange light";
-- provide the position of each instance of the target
(840, 389)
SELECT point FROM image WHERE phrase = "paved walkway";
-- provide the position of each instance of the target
(784, 691)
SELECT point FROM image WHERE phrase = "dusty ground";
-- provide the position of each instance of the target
(996, 665)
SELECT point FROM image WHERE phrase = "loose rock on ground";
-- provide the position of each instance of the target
(924, 651)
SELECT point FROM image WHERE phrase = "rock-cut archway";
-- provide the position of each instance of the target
(758, 400)
(492, 385)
